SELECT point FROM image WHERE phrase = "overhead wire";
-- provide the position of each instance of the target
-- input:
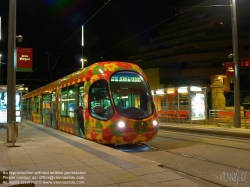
(176, 14)
(105, 3)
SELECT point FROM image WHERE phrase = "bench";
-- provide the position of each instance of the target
(182, 114)
(172, 114)
(168, 114)
(163, 114)
(246, 118)
(224, 116)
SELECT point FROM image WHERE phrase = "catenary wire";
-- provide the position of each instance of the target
(105, 3)
(128, 39)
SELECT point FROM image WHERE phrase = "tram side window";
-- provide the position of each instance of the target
(100, 104)
(53, 102)
(36, 105)
(68, 102)
(64, 103)
(81, 96)
(72, 102)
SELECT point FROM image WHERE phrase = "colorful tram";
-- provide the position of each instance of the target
(107, 102)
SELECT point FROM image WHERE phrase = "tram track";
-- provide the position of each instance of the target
(208, 166)
(214, 138)
(217, 137)
(192, 176)
(201, 158)
(189, 174)
(193, 157)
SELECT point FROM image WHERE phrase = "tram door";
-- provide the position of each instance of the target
(29, 109)
(53, 110)
(46, 109)
(81, 110)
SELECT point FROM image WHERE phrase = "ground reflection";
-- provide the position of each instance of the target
(142, 147)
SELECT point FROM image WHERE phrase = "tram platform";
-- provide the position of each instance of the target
(206, 128)
(50, 157)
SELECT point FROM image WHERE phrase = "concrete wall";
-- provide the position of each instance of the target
(153, 78)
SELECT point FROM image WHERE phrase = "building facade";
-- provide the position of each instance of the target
(194, 49)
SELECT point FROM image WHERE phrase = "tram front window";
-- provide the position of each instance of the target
(131, 95)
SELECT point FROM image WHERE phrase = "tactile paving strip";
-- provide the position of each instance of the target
(105, 156)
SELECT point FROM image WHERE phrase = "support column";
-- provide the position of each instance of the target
(218, 98)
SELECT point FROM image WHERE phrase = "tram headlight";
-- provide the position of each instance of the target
(155, 122)
(121, 124)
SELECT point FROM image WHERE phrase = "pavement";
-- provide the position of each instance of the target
(48, 157)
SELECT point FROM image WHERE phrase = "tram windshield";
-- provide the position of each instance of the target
(131, 95)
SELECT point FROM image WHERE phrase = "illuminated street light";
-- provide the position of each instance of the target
(83, 60)
(237, 115)
(82, 47)
(0, 29)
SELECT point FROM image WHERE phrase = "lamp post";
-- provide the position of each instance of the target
(11, 75)
(82, 39)
(237, 115)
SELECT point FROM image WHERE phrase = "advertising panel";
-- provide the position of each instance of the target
(198, 106)
(24, 59)
(3, 107)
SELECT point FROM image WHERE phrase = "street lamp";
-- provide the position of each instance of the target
(83, 60)
(11, 74)
(237, 115)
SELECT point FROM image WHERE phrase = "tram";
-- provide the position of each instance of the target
(107, 102)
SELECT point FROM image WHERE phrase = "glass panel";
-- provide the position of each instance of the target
(64, 103)
(81, 101)
(81, 104)
(172, 101)
(36, 105)
(131, 95)
(3, 104)
(68, 102)
(72, 102)
(100, 104)
(46, 104)
(18, 101)
(183, 101)
(53, 109)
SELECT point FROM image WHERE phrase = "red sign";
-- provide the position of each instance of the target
(24, 59)
(230, 69)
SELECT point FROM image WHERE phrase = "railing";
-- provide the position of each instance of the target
(217, 116)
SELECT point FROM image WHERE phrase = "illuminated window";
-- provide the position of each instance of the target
(100, 104)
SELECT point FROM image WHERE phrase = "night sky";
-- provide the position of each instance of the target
(114, 30)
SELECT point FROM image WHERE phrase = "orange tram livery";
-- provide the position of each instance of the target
(107, 102)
